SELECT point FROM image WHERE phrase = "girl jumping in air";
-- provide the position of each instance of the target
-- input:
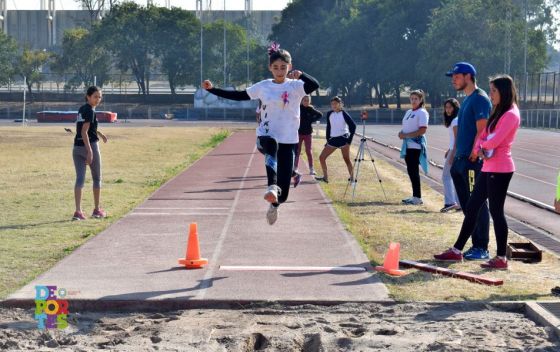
(277, 134)
(340, 131)
(86, 152)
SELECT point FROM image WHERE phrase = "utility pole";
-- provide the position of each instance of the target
(248, 12)
(4, 16)
(507, 58)
(199, 13)
(51, 23)
(225, 46)
(525, 43)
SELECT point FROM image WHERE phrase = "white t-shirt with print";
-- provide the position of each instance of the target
(454, 123)
(280, 108)
(412, 121)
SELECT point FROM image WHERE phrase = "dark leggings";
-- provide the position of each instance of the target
(492, 186)
(279, 162)
(412, 159)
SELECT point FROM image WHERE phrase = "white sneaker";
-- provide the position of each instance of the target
(271, 194)
(272, 214)
(312, 172)
(407, 200)
(414, 201)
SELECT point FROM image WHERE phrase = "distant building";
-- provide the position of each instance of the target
(31, 27)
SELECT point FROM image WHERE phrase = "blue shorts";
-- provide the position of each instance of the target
(337, 142)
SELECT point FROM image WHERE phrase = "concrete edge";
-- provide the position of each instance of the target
(542, 316)
(123, 306)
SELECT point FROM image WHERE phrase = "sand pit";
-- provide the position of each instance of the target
(347, 327)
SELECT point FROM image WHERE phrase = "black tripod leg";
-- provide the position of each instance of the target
(376, 172)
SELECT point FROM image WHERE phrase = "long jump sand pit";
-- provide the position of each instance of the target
(416, 327)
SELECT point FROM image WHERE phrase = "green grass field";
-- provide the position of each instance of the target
(36, 204)
(37, 179)
(423, 231)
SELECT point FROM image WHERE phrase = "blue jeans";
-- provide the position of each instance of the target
(448, 187)
(464, 173)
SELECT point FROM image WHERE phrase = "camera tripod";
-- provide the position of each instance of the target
(357, 162)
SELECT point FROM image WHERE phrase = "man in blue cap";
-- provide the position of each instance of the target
(473, 115)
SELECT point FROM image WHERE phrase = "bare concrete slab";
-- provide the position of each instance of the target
(135, 259)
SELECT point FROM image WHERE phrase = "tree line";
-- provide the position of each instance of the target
(356, 48)
(142, 41)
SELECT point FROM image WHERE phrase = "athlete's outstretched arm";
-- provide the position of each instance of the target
(310, 84)
(227, 94)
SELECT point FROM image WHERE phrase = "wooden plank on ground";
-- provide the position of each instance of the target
(452, 273)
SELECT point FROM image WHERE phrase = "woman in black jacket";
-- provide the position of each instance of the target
(308, 115)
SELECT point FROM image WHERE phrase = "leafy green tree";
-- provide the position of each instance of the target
(236, 53)
(31, 64)
(8, 57)
(128, 33)
(83, 58)
(178, 48)
(476, 31)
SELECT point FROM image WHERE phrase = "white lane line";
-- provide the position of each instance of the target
(293, 268)
(536, 163)
(206, 281)
(175, 214)
(191, 208)
(534, 179)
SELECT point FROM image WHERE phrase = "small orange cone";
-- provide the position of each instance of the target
(391, 263)
(192, 259)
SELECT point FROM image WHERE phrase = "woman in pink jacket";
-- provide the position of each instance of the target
(494, 147)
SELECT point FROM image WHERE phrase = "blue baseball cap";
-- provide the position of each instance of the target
(462, 67)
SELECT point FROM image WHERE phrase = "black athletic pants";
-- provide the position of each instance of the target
(412, 159)
(492, 186)
(279, 162)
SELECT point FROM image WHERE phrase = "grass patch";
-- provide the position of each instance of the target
(37, 179)
(423, 231)
(216, 139)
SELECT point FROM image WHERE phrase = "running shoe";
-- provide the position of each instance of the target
(271, 194)
(312, 171)
(79, 215)
(297, 179)
(495, 263)
(449, 207)
(99, 213)
(272, 214)
(450, 255)
(476, 254)
(322, 179)
(413, 201)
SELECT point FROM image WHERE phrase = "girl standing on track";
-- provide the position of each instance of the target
(277, 134)
(414, 151)
(86, 152)
(308, 116)
(340, 132)
(494, 147)
(450, 120)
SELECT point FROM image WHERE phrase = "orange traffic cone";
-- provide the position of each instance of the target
(192, 259)
(391, 263)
